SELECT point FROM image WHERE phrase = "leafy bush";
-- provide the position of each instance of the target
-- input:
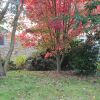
(65, 65)
(83, 58)
(37, 53)
(11, 65)
(98, 66)
(40, 64)
(20, 61)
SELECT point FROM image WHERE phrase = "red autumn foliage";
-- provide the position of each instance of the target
(48, 14)
(28, 40)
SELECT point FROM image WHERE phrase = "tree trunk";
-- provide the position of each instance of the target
(58, 63)
(59, 60)
(7, 59)
(2, 71)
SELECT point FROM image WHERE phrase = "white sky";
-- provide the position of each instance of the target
(9, 17)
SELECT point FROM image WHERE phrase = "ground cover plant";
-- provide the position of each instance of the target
(26, 85)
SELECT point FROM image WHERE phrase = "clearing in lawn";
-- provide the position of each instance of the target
(26, 85)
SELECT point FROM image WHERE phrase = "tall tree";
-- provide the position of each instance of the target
(19, 8)
(2, 13)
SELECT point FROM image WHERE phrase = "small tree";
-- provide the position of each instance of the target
(61, 20)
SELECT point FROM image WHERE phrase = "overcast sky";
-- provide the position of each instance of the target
(9, 17)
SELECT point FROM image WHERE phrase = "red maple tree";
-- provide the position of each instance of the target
(62, 20)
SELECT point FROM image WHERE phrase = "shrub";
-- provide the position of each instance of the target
(37, 53)
(28, 63)
(11, 65)
(83, 58)
(40, 64)
(20, 61)
(98, 66)
(65, 65)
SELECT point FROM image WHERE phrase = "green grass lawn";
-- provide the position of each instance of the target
(24, 85)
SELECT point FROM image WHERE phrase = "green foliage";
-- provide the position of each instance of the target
(93, 4)
(20, 61)
(75, 43)
(98, 66)
(40, 64)
(11, 65)
(45, 31)
(83, 58)
(95, 19)
(66, 18)
(37, 53)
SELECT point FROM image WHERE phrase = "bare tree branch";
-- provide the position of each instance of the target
(3, 12)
